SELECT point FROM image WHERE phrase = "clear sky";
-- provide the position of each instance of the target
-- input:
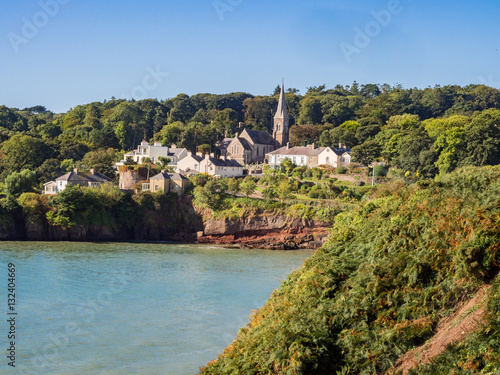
(61, 53)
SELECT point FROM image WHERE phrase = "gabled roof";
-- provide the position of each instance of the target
(258, 137)
(225, 143)
(168, 176)
(244, 143)
(84, 177)
(71, 176)
(95, 177)
(225, 163)
(340, 151)
(294, 151)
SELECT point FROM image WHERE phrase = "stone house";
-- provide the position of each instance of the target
(90, 179)
(250, 147)
(130, 175)
(166, 182)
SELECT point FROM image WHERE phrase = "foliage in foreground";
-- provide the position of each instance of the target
(378, 287)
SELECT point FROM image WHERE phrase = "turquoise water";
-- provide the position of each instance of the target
(131, 308)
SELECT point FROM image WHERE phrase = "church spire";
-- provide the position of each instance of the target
(281, 112)
(281, 120)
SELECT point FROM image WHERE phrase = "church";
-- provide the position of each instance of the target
(251, 146)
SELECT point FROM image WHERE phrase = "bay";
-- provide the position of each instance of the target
(128, 308)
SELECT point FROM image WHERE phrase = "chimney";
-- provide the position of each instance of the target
(75, 170)
(163, 171)
(288, 145)
(241, 125)
(157, 144)
(190, 153)
(313, 146)
(199, 154)
(92, 171)
(207, 156)
(212, 155)
(173, 146)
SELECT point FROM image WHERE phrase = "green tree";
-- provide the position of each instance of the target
(102, 160)
(233, 185)
(247, 186)
(18, 183)
(24, 152)
(482, 137)
(366, 153)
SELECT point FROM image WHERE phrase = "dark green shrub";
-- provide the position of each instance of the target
(341, 170)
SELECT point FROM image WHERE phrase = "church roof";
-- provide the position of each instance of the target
(259, 137)
(281, 111)
(225, 143)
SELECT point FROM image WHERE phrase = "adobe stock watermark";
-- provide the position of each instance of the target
(224, 6)
(373, 28)
(489, 81)
(30, 28)
(150, 82)
(56, 342)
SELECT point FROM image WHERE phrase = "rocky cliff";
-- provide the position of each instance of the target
(266, 231)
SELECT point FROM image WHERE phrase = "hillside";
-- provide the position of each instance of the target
(389, 276)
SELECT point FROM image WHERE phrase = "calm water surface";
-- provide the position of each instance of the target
(132, 308)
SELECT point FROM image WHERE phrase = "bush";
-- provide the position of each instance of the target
(380, 171)
(341, 170)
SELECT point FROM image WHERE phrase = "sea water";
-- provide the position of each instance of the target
(129, 308)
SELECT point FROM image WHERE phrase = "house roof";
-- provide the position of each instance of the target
(84, 177)
(225, 163)
(225, 143)
(168, 176)
(244, 143)
(340, 151)
(294, 151)
(259, 137)
(71, 176)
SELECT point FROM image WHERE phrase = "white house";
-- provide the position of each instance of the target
(301, 156)
(189, 163)
(91, 179)
(220, 167)
(145, 150)
(310, 156)
(334, 156)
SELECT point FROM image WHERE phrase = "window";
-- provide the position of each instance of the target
(156, 187)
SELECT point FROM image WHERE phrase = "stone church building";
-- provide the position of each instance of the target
(251, 146)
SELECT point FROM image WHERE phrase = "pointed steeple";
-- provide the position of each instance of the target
(281, 120)
(281, 112)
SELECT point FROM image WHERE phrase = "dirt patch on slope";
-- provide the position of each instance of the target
(464, 320)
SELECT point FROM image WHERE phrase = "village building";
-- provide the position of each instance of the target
(130, 175)
(220, 168)
(310, 156)
(153, 152)
(251, 146)
(166, 182)
(91, 179)
(190, 164)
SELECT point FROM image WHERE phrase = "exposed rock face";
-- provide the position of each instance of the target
(274, 232)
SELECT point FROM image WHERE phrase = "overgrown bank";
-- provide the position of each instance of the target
(390, 271)
(104, 214)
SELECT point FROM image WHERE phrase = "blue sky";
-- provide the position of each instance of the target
(61, 53)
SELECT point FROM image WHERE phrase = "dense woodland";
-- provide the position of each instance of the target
(424, 132)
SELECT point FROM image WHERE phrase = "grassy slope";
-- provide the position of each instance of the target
(378, 287)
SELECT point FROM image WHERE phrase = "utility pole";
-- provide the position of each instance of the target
(373, 174)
